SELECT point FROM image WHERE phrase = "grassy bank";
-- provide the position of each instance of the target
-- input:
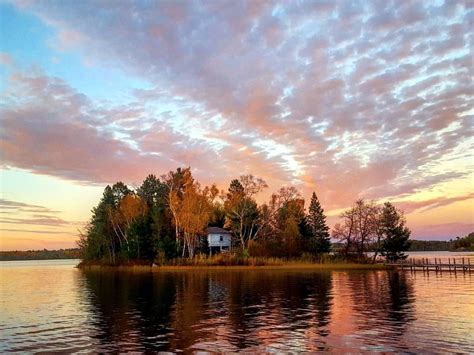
(284, 266)
(235, 262)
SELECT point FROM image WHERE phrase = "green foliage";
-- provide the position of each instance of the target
(113, 236)
(162, 238)
(395, 234)
(430, 245)
(165, 219)
(235, 188)
(319, 241)
(217, 217)
(97, 242)
(291, 238)
(459, 244)
(153, 191)
(463, 244)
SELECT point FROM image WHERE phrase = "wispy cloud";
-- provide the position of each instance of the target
(21, 214)
(40, 221)
(23, 207)
(48, 232)
(426, 205)
(349, 98)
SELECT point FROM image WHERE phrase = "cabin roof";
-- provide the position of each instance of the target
(217, 230)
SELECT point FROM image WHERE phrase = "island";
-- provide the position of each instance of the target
(174, 221)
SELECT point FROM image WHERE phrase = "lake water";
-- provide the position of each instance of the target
(52, 306)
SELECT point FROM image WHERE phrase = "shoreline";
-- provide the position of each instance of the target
(283, 267)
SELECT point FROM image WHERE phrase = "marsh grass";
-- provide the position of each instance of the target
(235, 261)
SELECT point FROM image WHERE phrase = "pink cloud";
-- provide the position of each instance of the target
(425, 205)
(355, 98)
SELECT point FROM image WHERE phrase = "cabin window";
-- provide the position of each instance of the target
(221, 238)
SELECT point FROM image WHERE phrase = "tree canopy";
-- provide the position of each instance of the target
(167, 217)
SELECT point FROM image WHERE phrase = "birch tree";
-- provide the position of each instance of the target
(241, 208)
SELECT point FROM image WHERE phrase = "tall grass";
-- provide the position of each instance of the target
(306, 261)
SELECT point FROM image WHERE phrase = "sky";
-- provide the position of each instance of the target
(350, 99)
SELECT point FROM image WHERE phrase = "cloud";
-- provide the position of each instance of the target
(36, 231)
(25, 214)
(52, 116)
(16, 206)
(351, 99)
(6, 59)
(39, 221)
(426, 205)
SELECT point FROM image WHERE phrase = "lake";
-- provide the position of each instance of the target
(52, 306)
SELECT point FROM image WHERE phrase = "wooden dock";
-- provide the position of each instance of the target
(436, 265)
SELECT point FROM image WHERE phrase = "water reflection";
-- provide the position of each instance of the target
(54, 307)
(383, 305)
(236, 310)
(130, 311)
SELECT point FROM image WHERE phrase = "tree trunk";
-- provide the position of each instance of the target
(241, 233)
(184, 248)
(377, 249)
(177, 235)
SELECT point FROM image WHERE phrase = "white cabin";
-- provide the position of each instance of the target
(218, 239)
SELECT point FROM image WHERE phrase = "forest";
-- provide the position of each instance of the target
(166, 218)
(44, 254)
(465, 243)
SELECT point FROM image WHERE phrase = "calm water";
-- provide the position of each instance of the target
(51, 306)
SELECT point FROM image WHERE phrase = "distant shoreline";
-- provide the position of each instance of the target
(61, 254)
(69, 254)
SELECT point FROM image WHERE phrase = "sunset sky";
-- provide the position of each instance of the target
(356, 99)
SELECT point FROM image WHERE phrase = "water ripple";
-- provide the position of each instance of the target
(55, 307)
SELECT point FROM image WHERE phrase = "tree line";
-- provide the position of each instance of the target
(73, 253)
(465, 243)
(166, 218)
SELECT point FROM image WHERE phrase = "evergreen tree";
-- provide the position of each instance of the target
(235, 188)
(99, 241)
(395, 234)
(316, 220)
(153, 191)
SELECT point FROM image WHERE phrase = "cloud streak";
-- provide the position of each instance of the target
(426, 205)
(21, 214)
(352, 99)
(15, 206)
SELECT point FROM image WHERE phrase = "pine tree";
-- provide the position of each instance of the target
(316, 220)
(396, 235)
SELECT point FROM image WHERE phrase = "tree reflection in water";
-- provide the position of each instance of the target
(383, 304)
(235, 310)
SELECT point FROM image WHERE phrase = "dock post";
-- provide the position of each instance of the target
(449, 264)
(454, 265)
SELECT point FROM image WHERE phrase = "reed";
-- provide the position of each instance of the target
(233, 261)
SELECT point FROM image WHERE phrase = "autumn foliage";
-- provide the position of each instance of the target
(167, 218)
